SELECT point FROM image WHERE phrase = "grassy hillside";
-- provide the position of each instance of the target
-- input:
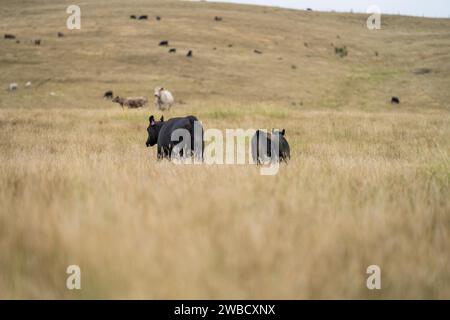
(368, 182)
(112, 51)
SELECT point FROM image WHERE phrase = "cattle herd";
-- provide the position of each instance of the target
(266, 146)
(163, 99)
(167, 136)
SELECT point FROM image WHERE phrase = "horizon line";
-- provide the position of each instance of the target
(243, 2)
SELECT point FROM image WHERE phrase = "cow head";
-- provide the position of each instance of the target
(158, 91)
(153, 130)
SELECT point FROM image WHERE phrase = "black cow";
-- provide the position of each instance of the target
(189, 54)
(164, 43)
(172, 50)
(264, 146)
(9, 36)
(144, 17)
(217, 18)
(60, 35)
(158, 18)
(108, 94)
(160, 133)
(395, 100)
(132, 16)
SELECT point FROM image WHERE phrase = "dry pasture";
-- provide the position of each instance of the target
(368, 182)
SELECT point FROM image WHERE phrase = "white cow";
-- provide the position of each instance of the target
(12, 86)
(163, 98)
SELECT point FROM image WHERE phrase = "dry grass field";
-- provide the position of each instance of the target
(368, 182)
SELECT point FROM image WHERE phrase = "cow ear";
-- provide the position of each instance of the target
(283, 132)
(152, 120)
(162, 119)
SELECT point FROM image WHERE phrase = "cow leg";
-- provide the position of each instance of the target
(160, 153)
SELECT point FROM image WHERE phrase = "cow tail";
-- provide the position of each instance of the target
(257, 146)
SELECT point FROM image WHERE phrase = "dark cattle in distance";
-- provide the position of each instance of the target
(158, 18)
(9, 36)
(172, 50)
(189, 54)
(60, 34)
(216, 18)
(395, 100)
(132, 16)
(144, 17)
(37, 42)
(164, 43)
(108, 94)
(309, 9)
(257, 51)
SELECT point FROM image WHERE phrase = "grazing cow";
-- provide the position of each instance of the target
(172, 50)
(9, 36)
(216, 18)
(189, 54)
(133, 17)
(108, 94)
(37, 42)
(163, 99)
(264, 147)
(164, 43)
(158, 18)
(395, 100)
(257, 51)
(160, 133)
(60, 34)
(28, 84)
(144, 17)
(135, 102)
(12, 86)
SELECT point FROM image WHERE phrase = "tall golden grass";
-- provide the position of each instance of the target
(361, 189)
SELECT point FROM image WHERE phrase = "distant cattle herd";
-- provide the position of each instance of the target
(165, 99)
